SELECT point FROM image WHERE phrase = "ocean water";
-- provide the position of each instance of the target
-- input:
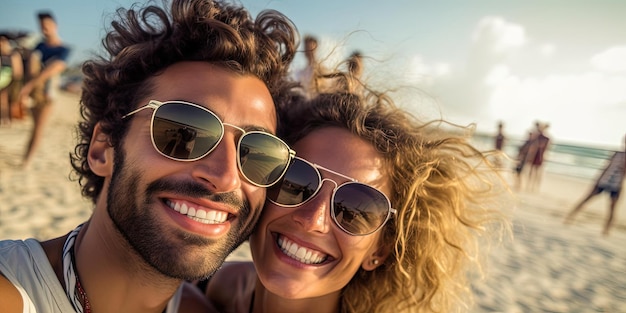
(572, 160)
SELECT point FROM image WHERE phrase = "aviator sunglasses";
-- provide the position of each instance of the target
(185, 131)
(357, 208)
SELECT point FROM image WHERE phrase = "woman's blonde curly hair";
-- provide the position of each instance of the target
(444, 189)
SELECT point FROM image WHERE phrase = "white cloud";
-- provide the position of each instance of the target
(423, 73)
(466, 90)
(441, 69)
(496, 84)
(611, 60)
(568, 102)
(499, 73)
(499, 34)
(547, 49)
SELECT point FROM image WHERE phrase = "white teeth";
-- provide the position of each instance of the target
(293, 249)
(301, 253)
(298, 253)
(198, 215)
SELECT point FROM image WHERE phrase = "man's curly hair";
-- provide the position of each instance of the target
(143, 41)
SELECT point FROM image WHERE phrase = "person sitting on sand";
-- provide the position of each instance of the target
(610, 180)
(389, 224)
(11, 72)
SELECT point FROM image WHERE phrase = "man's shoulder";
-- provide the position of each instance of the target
(13, 254)
(15, 246)
(19, 251)
(26, 269)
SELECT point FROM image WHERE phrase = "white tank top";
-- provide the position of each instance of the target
(25, 264)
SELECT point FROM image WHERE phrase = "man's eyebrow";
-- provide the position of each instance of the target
(249, 128)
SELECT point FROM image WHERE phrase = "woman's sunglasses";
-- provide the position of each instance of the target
(186, 131)
(358, 209)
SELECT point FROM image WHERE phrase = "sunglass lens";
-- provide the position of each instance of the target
(359, 209)
(297, 186)
(184, 131)
(262, 157)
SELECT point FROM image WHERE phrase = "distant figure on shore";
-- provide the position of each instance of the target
(44, 87)
(522, 155)
(535, 155)
(499, 143)
(312, 69)
(500, 137)
(611, 181)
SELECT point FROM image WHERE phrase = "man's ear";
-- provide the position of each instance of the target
(376, 257)
(100, 155)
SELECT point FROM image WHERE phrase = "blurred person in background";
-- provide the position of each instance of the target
(499, 144)
(11, 73)
(539, 144)
(611, 181)
(43, 87)
(306, 76)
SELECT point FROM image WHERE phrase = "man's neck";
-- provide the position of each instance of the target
(113, 276)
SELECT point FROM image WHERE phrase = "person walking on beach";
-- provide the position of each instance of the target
(382, 218)
(611, 181)
(159, 219)
(522, 155)
(499, 143)
(499, 140)
(536, 154)
(44, 86)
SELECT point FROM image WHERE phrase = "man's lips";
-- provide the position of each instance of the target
(196, 212)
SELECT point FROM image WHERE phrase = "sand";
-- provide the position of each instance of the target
(546, 267)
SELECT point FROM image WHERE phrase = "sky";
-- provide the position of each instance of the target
(560, 62)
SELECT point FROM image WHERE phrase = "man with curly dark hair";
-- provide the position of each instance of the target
(176, 148)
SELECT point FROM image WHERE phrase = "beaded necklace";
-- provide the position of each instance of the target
(74, 290)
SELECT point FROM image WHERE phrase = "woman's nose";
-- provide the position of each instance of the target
(314, 215)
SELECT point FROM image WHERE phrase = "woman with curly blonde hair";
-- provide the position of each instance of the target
(378, 213)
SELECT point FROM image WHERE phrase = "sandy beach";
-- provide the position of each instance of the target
(545, 267)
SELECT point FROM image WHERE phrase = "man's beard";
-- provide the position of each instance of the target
(172, 252)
